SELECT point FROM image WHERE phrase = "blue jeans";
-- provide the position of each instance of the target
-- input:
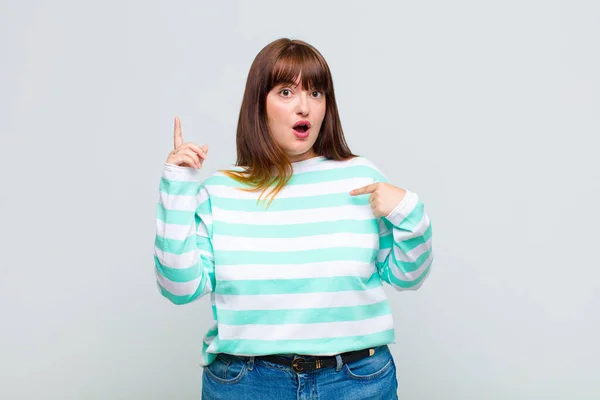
(230, 377)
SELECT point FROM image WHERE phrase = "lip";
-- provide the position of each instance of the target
(302, 122)
(301, 135)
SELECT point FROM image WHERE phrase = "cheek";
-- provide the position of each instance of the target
(274, 115)
(320, 111)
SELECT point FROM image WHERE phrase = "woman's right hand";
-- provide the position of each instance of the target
(186, 154)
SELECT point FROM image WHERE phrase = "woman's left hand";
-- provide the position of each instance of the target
(384, 197)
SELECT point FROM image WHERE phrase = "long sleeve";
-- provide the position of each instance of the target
(183, 252)
(405, 255)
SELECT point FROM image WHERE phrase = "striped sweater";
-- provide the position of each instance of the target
(303, 276)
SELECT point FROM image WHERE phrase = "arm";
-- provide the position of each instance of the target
(405, 254)
(183, 254)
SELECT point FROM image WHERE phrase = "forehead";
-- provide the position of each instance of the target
(306, 72)
(296, 83)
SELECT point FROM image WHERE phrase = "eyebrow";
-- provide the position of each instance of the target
(287, 84)
(280, 84)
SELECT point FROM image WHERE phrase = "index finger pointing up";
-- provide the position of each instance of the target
(178, 138)
(364, 190)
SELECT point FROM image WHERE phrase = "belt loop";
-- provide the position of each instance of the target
(338, 359)
(250, 363)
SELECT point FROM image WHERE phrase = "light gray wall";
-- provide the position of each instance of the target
(490, 110)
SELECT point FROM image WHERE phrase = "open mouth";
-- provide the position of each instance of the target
(301, 128)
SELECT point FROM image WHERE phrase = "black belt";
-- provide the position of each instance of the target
(300, 364)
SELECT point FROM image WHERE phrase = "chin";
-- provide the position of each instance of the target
(298, 151)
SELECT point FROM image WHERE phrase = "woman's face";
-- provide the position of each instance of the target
(294, 116)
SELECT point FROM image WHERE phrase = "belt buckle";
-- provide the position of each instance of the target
(295, 367)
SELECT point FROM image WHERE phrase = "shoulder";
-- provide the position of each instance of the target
(356, 167)
(365, 164)
(221, 178)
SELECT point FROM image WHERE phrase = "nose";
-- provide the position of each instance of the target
(303, 105)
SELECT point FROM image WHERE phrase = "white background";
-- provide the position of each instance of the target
(489, 110)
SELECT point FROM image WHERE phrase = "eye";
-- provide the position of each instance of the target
(317, 94)
(285, 92)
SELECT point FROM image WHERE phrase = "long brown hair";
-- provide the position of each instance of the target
(282, 61)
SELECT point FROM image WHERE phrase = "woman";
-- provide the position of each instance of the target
(293, 244)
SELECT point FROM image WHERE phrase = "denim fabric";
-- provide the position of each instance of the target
(230, 377)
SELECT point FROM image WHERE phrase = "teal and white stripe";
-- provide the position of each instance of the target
(303, 276)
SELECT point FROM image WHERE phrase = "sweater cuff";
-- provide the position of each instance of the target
(178, 173)
(401, 211)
